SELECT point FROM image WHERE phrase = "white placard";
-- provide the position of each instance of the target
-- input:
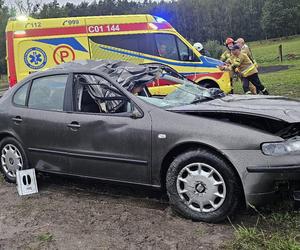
(26, 182)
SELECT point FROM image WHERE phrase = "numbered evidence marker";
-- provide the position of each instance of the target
(26, 182)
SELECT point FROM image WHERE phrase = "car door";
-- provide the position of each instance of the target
(41, 123)
(109, 145)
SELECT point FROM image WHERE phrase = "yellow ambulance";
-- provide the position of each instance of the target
(38, 44)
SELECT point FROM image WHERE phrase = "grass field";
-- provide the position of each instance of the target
(285, 82)
(275, 227)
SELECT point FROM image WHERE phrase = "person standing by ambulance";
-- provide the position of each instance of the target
(199, 47)
(242, 64)
(225, 57)
(246, 50)
(227, 53)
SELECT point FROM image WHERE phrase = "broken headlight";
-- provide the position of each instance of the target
(291, 146)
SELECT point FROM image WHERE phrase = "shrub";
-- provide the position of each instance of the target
(214, 48)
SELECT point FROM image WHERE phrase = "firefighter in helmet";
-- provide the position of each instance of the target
(199, 47)
(241, 64)
(227, 54)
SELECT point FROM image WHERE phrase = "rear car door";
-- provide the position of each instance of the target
(108, 143)
(40, 122)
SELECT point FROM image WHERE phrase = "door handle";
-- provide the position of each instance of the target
(17, 119)
(74, 125)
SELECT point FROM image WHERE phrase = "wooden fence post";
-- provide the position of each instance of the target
(280, 53)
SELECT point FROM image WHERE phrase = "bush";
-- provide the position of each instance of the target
(214, 48)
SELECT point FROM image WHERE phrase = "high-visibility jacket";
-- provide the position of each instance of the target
(243, 65)
(225, 56)
(246, 50)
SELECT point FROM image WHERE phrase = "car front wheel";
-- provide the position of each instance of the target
(202, 187)
(13, 158)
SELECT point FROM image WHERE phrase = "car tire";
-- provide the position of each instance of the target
(191, 191)
(12, 157)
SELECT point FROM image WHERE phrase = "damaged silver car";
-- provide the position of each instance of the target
(97, 119)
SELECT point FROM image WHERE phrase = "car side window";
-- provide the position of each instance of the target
(166, 45)
(20, 95)
(184, 51)
(94, 94)
(47, 93)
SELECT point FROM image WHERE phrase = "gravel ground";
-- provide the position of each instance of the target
(82, 214)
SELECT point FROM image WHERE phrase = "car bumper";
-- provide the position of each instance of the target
(265, 176)
(275, 169)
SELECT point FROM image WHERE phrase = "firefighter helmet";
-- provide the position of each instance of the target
(229, 40)
(198, 46)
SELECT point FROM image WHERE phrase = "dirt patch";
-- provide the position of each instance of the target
(76, 214)
(272, 69)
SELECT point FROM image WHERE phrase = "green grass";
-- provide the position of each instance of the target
(251, 238)
(45, 237)
(278, 230)
(286, 82)
(266, 52)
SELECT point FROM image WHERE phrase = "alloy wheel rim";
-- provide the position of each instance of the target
(11, 160)
(201, 187)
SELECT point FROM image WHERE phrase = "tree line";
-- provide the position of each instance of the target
(197, 20)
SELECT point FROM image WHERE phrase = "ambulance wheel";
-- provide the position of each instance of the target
(209, 84)
(13, 158)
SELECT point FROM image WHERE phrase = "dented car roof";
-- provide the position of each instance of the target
(126, 74)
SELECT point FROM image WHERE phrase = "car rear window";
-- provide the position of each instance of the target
(47, 93)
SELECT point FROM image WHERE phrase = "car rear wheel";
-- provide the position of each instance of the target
(202, 187)
(13, 158)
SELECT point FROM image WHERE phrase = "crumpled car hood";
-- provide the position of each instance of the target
(274, 107)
